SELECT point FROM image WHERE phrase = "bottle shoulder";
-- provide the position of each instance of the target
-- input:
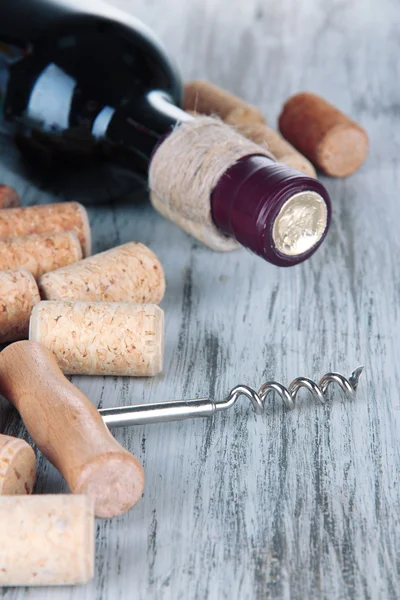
(61, 28)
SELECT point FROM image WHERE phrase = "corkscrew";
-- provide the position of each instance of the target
(179, 410)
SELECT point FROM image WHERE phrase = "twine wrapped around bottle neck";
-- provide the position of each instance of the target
(186, 168)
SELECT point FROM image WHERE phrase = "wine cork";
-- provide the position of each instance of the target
(47, 218)
(46, 540)
(8, 197)
(207, 99)
(254, 129)
(40, 253)
(18, 295)
(101, 338)
(273, 141)
(17, 466)
(128, 273)
(332, 141)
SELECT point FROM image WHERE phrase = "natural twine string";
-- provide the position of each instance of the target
(185, 170)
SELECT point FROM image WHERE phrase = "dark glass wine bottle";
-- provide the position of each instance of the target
(82, 81)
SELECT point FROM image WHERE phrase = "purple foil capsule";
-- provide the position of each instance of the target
(277, 212)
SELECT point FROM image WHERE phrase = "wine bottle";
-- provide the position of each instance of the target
(82, 81)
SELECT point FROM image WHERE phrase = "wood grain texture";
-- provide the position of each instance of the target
(68, 429)
(288, 505)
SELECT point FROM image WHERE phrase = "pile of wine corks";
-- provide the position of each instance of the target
(83, 314)
(313, 133)
(99, 313)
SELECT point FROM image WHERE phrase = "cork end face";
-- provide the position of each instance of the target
(343, 150)
(151, 285)
(18, 294)
(87, 234)
(33, 286)
(114, 481)
(300, 224)
(76, 248)
(17, 467)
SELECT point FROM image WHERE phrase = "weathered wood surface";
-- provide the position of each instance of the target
(288, 505)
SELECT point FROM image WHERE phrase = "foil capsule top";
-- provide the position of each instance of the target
(277, 212)
(300, 223)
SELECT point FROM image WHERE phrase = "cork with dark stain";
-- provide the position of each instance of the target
(331, 140)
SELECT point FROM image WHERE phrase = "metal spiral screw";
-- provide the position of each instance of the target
(204, 407)
(288, 395)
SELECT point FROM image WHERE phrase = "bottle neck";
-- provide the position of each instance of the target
(141, 125)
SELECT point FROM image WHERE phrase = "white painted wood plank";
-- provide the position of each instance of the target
(299, 505)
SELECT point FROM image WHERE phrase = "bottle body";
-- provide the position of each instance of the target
(85, 88)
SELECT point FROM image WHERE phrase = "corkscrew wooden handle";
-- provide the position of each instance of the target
(68, 429)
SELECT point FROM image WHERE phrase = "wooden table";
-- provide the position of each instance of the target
(300, 505)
